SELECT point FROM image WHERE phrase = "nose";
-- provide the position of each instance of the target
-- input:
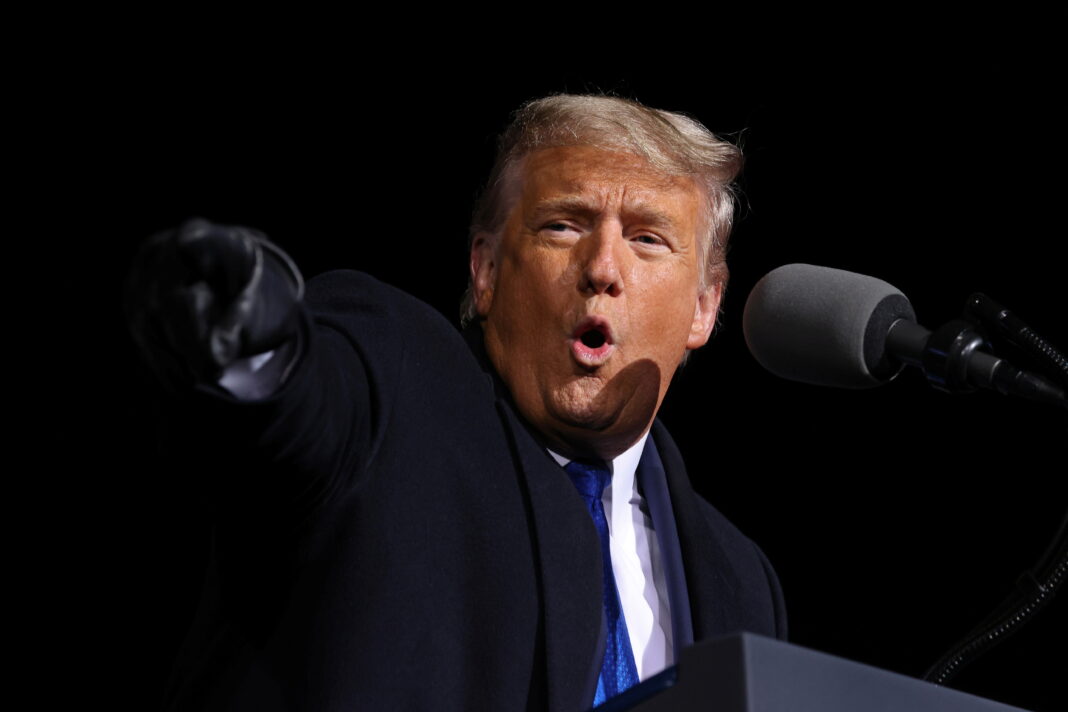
(602, 261)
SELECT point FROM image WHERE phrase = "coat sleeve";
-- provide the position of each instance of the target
(290, 453)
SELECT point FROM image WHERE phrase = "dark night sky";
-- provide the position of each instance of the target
(930, 156)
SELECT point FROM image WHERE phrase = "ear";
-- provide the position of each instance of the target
(704, 316)
(483, 267)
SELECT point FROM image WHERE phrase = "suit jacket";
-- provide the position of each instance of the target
(392, 535)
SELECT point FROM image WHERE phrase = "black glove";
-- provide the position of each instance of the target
(203, 296)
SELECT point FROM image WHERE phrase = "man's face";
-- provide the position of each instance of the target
(592, 295)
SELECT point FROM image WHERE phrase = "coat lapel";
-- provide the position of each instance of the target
(568, 562)
(715, 593)
(569, 565)
(654, 487)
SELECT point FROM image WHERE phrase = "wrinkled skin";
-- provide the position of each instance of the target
(595, 241)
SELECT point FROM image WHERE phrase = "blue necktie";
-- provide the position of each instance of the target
(618, 671)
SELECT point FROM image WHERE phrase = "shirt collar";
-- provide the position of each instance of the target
(623, 465)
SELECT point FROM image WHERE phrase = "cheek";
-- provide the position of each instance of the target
(521, 301)
(534, 281)
(670, 307)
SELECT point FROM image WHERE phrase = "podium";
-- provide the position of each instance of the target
(751, 673)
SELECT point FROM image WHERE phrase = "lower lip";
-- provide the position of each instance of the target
(588, 356)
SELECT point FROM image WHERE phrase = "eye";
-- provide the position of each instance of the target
(649, 239)
(559, 228)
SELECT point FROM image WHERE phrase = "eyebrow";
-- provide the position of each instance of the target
(585, 207)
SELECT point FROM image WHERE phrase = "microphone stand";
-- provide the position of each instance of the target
(951, 360)
(1034, 590)
(983, 310)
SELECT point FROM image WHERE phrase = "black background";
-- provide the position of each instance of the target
(926, 151)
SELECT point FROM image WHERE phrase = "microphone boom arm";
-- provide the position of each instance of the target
(951, 360)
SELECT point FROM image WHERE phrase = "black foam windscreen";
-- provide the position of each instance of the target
(824, 326)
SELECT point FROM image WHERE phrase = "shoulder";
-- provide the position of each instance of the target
(393, 332)
(344, 296)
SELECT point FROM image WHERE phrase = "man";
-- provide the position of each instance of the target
(395, 527)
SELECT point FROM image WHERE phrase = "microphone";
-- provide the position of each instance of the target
(824, 326)
(829, 327)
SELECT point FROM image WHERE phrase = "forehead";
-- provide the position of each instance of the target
(603, 178)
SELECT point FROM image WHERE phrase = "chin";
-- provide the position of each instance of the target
(587, 405)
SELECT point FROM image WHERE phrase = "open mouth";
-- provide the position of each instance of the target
(591, 342)
(594, 338)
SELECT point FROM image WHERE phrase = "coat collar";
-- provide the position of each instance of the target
(717, 598)
(568, 556)
(652, 479)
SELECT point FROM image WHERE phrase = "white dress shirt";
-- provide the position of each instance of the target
(637, 565)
